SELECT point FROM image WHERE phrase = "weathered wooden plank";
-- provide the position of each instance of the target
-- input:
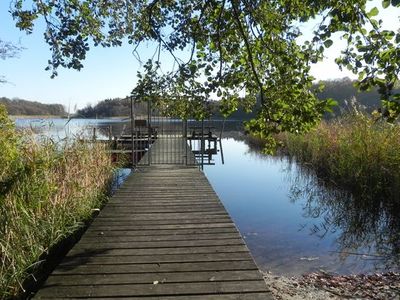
(165, 258)
(128, 224)
(159, 216)
(146, 238)
(162, 202)
(166, 205)
(156, 238)
(107, 251)
(170, 226)
(169, 220)
(166, 199)
(135, 199)
(171, 192)
(134, 278)
(163, 210)
(141, 180)
(215, 209)
(187, 191)
(167, 195)
(175, 185)
(160, 244)
(157, 267)
(118, 222)
(174, 202)
(174, 178)
(157, 289)
(164, 216)
(92, 232)
(234, 296)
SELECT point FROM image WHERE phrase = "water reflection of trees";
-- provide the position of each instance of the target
(363, 225)
(366, 226)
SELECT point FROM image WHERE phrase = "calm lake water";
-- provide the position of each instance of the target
(291, 221)
(292, 224)
(62, 128)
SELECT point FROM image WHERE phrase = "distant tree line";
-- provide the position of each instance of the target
(106, 108)
(25, 107)
(112, 107)
(348, 97)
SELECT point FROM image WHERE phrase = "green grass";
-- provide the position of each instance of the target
(47, 190)
(355, 152)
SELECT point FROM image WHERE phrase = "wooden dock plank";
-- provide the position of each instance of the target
(192, 225)
(160, 244)
(122, 290)
(157, 220)
(156, 267)
(164, 216)
(234, 296)
(104, 251)
(134, 278)
(163, 258)
(169, 232)
(164, 235)
(169, 237)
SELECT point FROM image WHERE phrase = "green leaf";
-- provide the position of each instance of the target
(385, 3)
(328, 43)
(374, 12)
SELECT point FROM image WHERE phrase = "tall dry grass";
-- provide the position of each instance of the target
(46, 191)
(357, 152)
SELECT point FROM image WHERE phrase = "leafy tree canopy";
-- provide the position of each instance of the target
(234, 46)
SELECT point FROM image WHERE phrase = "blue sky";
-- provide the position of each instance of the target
(107, 73)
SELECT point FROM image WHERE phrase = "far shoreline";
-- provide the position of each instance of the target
(14, 117)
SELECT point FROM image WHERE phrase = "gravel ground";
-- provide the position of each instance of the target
(326, 286)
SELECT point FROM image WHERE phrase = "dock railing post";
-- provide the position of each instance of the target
(149, 130)
(220, 141)
(185, 125)
(202, 144)
(133, 156)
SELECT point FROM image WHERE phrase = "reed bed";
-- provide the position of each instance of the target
(47, 191)
(356, 152)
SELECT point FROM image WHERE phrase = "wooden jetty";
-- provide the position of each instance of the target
(163, 235)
